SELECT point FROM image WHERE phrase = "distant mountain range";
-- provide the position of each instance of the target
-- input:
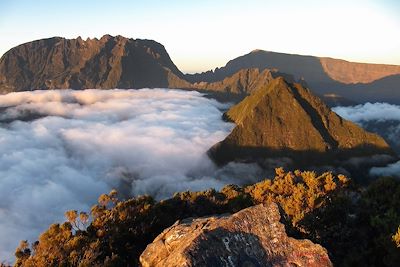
(119, 62)
(359, 82)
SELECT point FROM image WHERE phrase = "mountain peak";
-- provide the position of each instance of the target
(285, 119)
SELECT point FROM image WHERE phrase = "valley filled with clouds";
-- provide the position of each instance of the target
(61, 149)
(380, 118)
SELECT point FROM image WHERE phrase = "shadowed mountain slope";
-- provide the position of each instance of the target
(119, 62)
(243, 82)
(359, 82)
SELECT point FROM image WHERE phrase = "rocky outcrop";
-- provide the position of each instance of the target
(251, 237)
(111, 62)
(287, 120)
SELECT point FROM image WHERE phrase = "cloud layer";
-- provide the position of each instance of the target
(381, 118)
(61, 149)
(369, 112)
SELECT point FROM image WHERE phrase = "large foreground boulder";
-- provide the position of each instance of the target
(251, 237)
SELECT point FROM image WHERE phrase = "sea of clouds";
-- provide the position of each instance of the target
(61, 149)
(382, 118)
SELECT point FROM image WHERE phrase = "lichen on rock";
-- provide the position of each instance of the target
(250, 237)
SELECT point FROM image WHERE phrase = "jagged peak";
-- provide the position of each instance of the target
(71, 63)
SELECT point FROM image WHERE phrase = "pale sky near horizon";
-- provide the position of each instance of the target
(202, 35)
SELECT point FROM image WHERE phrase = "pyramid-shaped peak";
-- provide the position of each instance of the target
(286, 119)
(276, 88)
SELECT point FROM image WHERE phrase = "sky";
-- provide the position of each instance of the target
(203, 35)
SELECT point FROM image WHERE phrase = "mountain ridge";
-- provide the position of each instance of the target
(108, 62)
(359, 82)
(334, 67)
(119, 62)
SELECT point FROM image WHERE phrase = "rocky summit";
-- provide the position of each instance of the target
(109, 62)
(286, 119)
(250, 237)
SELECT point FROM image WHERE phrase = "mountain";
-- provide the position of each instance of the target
(359, 82)
(352, 72)
(250, 237)
(111, 62)
(119, 62)
(286, 120)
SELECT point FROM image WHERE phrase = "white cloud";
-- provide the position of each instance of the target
(369, 111)
(382, 118)
(61, 149)
(84, 143)
(389, 170)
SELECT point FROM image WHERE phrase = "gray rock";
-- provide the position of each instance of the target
(251, 237)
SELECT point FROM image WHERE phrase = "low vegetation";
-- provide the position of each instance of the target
(359, 227)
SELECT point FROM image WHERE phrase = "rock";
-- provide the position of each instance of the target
(251, 237)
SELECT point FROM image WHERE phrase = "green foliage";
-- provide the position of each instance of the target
(298, 193)
(357, 226)
(120, 230)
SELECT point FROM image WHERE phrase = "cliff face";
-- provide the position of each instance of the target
(251, 237)
(119, 62)
(111, 62)
(352, 72)
(283, 119)
(299, 66)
